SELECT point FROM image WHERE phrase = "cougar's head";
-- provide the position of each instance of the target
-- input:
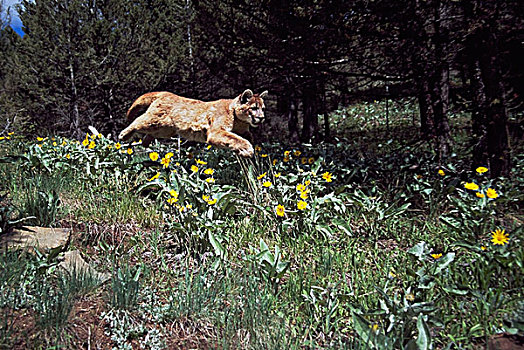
(250, 108)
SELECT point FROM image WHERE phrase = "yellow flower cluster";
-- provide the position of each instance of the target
(472, 186)
(9, 134)
(208, 199)
(174, 197)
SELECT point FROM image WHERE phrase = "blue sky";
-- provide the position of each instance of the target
(16, 24)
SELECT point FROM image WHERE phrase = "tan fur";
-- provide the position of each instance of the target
(165, 115)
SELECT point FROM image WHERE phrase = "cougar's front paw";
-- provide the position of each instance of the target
(246, 152)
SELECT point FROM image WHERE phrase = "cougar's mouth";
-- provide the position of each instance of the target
(255, 122)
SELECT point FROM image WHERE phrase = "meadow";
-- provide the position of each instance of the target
(363, 243)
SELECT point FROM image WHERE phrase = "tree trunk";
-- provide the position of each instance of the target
(489, 117)
(310, 110)
(495, 111)
(425, 108)
(478, 117)
(439, 82)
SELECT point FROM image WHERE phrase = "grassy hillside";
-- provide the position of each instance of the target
(360, 244)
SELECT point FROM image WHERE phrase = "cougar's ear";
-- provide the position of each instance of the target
(264, 94)
(246, 95)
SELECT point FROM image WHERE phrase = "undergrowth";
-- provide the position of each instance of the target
(311, 246)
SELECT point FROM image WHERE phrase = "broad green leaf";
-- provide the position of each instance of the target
(424, 337)
(443, 262)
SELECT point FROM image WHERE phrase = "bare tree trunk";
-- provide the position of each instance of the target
(75, 113)
(440, 82)
(497, 120)
(489, 118)
(425, 108)
(310, 108)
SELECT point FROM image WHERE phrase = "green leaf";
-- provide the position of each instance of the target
(362, 327)
(217, 246)
(420, 250)
(424, 337)
(443, 262)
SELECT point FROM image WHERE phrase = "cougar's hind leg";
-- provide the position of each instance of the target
(147, 140)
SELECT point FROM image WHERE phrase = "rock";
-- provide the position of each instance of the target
(41, 238)
(73, 262)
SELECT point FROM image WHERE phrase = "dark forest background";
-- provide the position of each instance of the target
(83, 62)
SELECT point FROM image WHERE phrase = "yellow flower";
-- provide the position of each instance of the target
(286, 159)
(303, 160)
(165, 162)
(261, 176)
(307, 182)
(483, 248)
(209, 171)
(301, 205)
(436, 256)
(118, 145)
(301, 187)
(287, 153)
(311, 160)
(471, 186)
(2, 137)
(129, 151)
(172, 200)
(92, 145)
(278, 174)
(327, 176)
(499, 237)
(173, 193)
(441, 172)
(208, 147)
(153, 156)
(267, 184)
(154, 177)
(68, 156)
(201, 162)
(280, 210)
(85, 142)
(482, 170)
(304, 194)
(212, 201)
(297, 153)
(11, 133)
(194, 168)
(205, 197)
(210, 180)
(275, 161)
(264, 155)
(169, 155)
(258, 148)
(491, 193)
(479, 194)
(55, 144)
(410, 297)
(374, 327)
